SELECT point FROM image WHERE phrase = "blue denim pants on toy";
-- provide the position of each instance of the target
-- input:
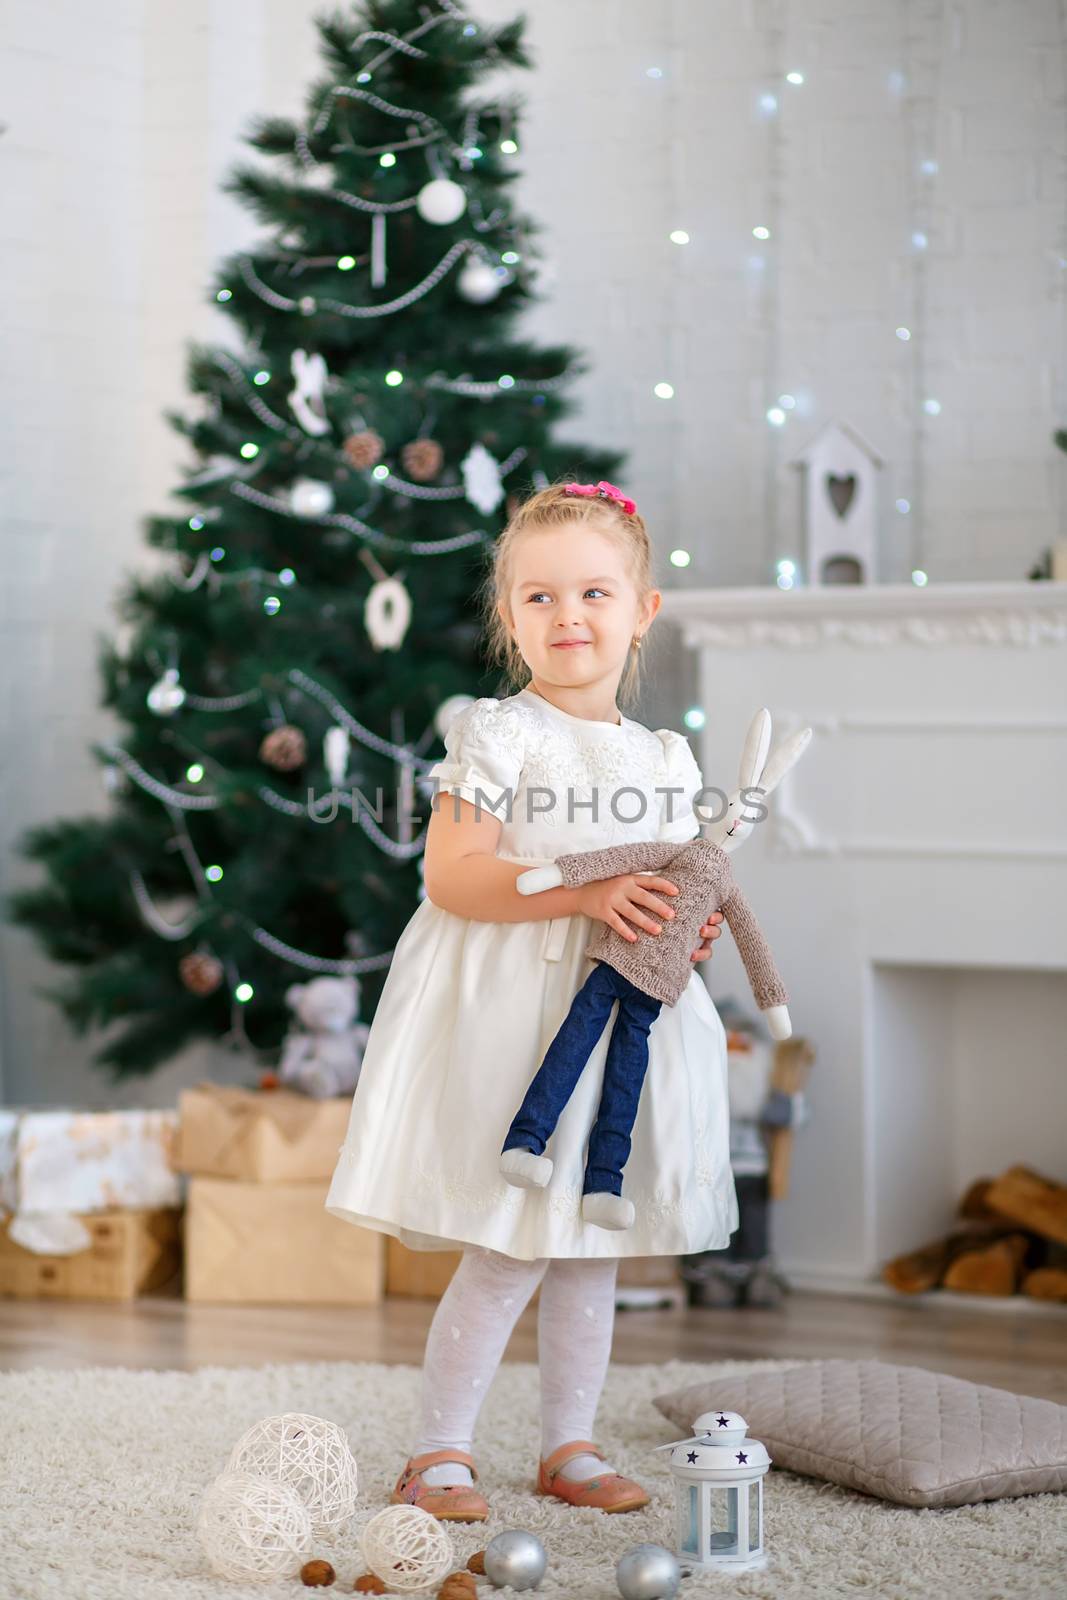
(624, 1073)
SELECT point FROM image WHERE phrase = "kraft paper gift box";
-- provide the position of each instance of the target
(58, 1165)
(276, 1244)
(128, 1253)
(260, 1136)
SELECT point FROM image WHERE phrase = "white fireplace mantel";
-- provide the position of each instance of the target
(1013, 613)
(911, 878)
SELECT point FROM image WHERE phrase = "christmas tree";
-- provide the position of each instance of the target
(284, 686)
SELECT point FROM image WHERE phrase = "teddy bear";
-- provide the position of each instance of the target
(322, 1053)
(644, 974)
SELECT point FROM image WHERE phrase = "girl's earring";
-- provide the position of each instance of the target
(636, 642)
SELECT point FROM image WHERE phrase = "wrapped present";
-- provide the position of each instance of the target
(259, 1135)
(57, 1165)
(128, 1253)
(276, 1244)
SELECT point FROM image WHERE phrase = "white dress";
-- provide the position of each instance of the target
(469, 1008)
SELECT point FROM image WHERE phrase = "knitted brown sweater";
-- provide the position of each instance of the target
(660, 963)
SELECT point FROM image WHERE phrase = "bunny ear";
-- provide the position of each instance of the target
(786, 755)
(755, 752)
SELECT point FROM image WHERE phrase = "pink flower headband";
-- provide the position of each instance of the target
(606, 491)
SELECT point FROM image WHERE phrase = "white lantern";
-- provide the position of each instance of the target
(718, 1484)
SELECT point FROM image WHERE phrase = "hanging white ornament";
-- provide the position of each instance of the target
(441, 201)
(306, 399)
(387, 614)
(167, 696)
(335, 748)
(309, 497)
(478, 281)
(377, 250)
(481, 479)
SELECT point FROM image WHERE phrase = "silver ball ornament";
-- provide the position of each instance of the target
(647, 1572)
(515, 1558)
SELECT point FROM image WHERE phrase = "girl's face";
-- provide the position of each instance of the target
(574, 609)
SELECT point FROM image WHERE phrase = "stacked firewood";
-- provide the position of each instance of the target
(1013, 1241)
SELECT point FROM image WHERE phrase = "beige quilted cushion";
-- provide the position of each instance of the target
(902, 1433)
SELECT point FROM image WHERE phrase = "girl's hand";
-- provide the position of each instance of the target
(621, 900)
(711, 930)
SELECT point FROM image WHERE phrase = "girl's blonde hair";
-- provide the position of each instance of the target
(546, 509)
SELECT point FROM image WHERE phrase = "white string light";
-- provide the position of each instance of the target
(174, 931)
(343, 967)
(921, 46)
(282, 302)
(153, 786)
(230, 702)
(765, 264)
(487, 388)
(341, 519)
(352, 91)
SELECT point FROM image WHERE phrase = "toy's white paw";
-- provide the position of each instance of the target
(607, 1210)
(778, 1021)
(525, 1170)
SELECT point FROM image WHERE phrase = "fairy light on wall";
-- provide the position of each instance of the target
(916, 83)
(765, 267)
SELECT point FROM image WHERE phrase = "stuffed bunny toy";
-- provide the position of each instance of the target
(645, 974)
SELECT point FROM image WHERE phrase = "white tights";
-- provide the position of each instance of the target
(469, 1334)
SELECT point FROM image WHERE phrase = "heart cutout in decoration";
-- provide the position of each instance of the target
(842, 491)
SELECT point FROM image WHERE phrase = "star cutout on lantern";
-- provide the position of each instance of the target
(742, 1459)
(692, 1456)
(722, 1421)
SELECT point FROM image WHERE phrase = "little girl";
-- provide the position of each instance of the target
(482, 978)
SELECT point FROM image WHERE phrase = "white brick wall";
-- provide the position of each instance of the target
(121, 121)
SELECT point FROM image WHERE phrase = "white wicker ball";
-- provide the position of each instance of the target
(311, 1455)
(253, 1527)
(407, 1547)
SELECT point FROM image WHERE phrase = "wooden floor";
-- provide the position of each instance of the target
(1013, 1348)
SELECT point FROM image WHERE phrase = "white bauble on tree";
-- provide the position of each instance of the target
(309, 497)
(441, 201)
(167, 695)
(448, 710)
(387, 614)
(479, 282)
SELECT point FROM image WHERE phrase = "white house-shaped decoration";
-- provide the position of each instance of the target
(840, 506)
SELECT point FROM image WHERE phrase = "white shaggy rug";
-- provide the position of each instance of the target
(102, 1470)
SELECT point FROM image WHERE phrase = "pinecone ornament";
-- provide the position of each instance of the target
(422, 459)
(201, 973)
(284, 748)
(363, 450)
